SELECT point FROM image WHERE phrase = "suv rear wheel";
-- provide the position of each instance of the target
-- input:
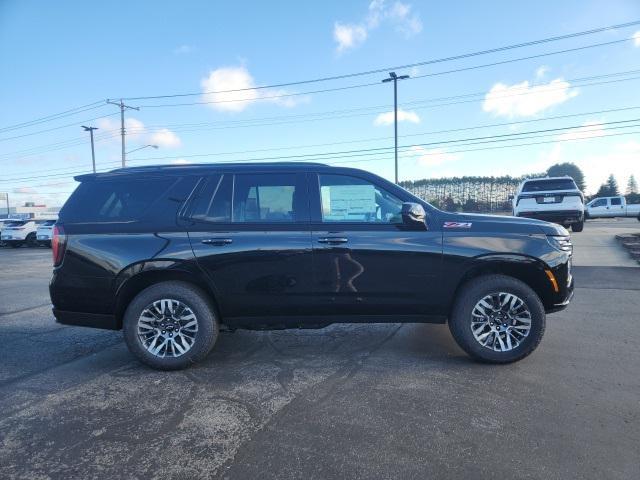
(577, 227)
(497, 319)
(170, 326)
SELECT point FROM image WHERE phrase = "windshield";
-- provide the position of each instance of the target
(48, 223)
(15, 224)
(546, 185)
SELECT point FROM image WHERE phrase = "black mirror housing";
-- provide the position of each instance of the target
(414, 215)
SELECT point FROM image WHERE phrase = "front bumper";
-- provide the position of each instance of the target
(82, 319)
(557, 216)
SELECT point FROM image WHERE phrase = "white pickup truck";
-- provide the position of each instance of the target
(603, 207)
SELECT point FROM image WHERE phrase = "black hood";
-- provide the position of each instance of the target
(499, 224)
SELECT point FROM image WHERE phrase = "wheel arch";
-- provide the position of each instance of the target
(135, 284)
(528, 270)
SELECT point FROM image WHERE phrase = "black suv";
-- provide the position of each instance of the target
(171, 254)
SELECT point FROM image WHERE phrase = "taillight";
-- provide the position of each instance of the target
(58, 244)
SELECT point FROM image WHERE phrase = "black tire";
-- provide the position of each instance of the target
(577, 227)
(476, 289)
(32, 240)
(192, 297)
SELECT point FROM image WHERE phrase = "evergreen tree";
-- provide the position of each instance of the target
(632, 185)
(612, 184)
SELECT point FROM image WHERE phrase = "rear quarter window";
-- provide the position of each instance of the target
(549, 185)
(121, 200)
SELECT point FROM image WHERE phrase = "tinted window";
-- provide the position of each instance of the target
(351, 199)
(114, 200)
(616, 201)
(15, 224)
(267, 198)
(213, 203)
(600, 203)
(545, 185)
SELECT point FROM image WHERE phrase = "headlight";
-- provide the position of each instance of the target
(560, 242)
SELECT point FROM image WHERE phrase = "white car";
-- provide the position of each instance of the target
(554, 199)
(44, 232)
(608, 207)
(18, 232)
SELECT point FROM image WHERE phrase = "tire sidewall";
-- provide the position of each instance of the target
(191, 296)
(460, 323)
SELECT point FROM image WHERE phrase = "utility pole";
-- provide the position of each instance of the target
(93, 152)
(123, 107)
(393, 77)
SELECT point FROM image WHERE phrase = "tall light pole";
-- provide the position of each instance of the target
(93, 152)
(394, 78)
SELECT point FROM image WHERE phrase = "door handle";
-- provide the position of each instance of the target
(219, 242)
(333, 240)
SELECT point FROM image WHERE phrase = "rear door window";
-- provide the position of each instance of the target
(616, 201)
(252, 198)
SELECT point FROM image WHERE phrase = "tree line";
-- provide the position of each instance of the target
(492, 194)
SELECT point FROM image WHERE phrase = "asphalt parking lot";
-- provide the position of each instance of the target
(347, 401)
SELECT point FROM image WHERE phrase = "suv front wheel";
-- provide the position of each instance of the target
(497, 319)
(170, 325)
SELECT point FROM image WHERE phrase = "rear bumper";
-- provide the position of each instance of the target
(81, 319)
(555, 216)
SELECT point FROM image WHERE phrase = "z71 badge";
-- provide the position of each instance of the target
(457, 225)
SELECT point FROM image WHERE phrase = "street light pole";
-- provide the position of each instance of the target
(140, 148)
(93, 152)
(393, 77)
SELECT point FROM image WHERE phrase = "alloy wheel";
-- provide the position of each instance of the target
(167, 328)
(500, 321)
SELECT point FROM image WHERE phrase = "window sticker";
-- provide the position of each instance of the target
(348, 202)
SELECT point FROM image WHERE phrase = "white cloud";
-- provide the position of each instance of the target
(587, 130)
(431, 157)
(398, 14)
(165, 138)
(217, 85)
(180, 161)
(183, 50)
(636, 38)
(232, 89)
(403, 116)
(348, 36)
(542, 71)
(525, 100)
(136, 130)
(27, 190)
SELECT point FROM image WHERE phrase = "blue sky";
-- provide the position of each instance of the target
(60, 55)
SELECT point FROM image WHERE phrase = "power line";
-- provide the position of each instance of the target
(362, 140)
(58, 128)
(401, 67)
(55, 116)
(462, 69)
(361, 152)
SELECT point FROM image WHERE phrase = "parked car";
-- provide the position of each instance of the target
(18, 232)
(554, 199)
(3, 222)
(172, 254)
(603, 207)
(44, 232)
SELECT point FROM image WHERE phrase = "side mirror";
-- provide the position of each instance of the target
(413, 215)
